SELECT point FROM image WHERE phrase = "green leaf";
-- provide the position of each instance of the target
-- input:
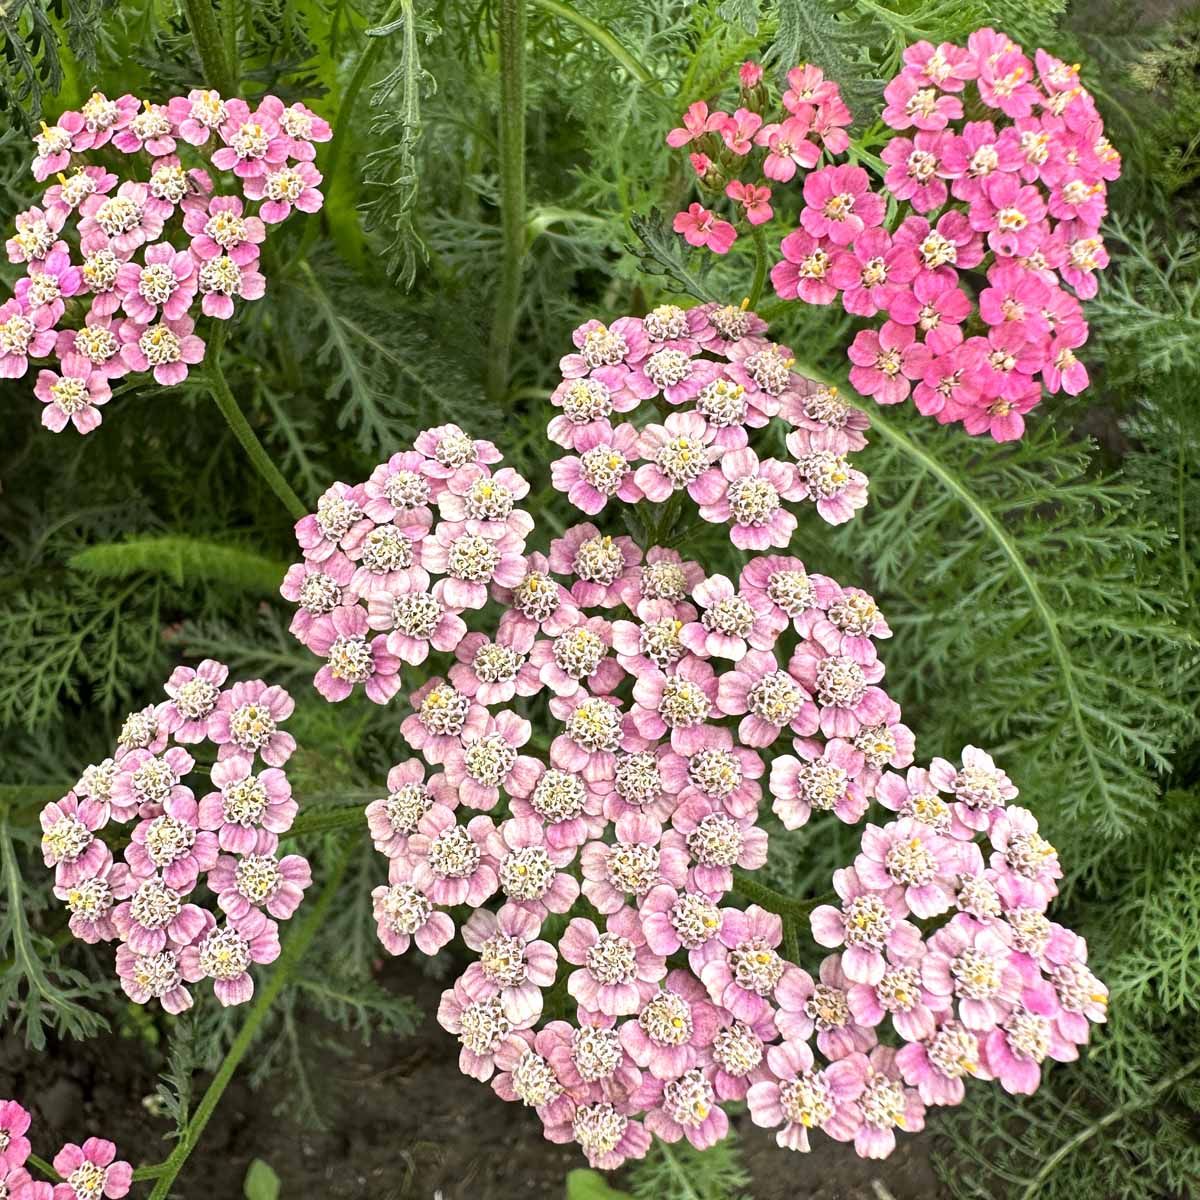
(182, 560)
(591, 1185)
(261, 1182)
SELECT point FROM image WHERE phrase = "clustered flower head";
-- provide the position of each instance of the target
(714, 377)
(973, 256)
(647, 1005)
(132, 241)
(738, 156)
(88, 1172)
(227, 839)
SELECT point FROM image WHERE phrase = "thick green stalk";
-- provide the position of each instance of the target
(231, 20)
(293, 952)
(232, 413)
(512, 194)
(210, 46)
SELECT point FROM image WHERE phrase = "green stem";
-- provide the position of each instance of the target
(512, 193)
(232, 413)
(42, 1166)
(343, 119)
(210, 46)
(779, 903)
(601, 36)
(993, 527)
(1109, 1118)
(293, 952)
(760, 265)
(231, 19)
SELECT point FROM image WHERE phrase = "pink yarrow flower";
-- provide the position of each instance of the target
(247, 721)
(24, 334)
(91, 1171)
(73, 397)
(285, 188)
(248, 812)
(798, 1096)
(514, 964)
(749, 494)
(867, 923)
(839, 204)
(617, 970)
(225, 953)
(703, 228)
(352, 657)
(167, 348)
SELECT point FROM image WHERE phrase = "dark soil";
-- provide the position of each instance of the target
(402, 1123)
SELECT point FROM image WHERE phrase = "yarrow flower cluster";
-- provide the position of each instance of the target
(973, 258)
(227, 839)
(675, 696)
(88, 1172)
(151, 239)
(714, 377)
(738, 156)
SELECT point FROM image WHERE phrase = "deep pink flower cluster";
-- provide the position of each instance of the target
(152, 243)
(714, 377)
(229, 839)
(997, 175)
(736, 156)
(88, 1172)
(673, 697)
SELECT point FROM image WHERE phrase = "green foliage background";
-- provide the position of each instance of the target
(1043, 594)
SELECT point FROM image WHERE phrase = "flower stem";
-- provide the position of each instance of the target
(232, 413)
(43, 1167)
(1111, 1117)
(601, 36)
(288, 960)
(210, 45)
(777, 902)
(512, 194)
(231, 19)
(760, 266)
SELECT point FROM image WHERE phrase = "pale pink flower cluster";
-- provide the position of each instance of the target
(383, 583)
(714, 377)
(228, 839)
(151, 245)
(674, 696)
(88, 1172)
(737, 156)
(974, 282)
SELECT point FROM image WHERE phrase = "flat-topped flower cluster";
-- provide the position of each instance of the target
(150, 238)
(601, 873)
(715, 378)
(227, 839)
(88, 1172)
(973, 256)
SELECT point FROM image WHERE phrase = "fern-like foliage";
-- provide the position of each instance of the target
(381, 369)
(182, 559)
(680, 1172)
(1030, 581)
(391, 179)
(38, 994)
